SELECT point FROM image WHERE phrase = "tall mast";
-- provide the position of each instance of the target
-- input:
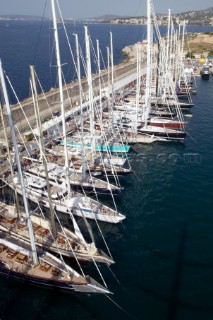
(41, 140)
(148, 67)
(112, 83)
(138, 86)
(168, 37)
(55, 30)
(84, 162)
(77, 230)
(108, 73)
(90, 92)
(32, 238)
(108, 86)
(157, 71)
(183, 39)
(99, 81)
(10, 161)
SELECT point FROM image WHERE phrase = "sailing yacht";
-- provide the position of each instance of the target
(60, 195)
(112, 145)
(78, 181)
(166, 133)
(16, 262)
(168, 129)
(102, 165)
(77, 204)
(129, 119)
(23, 260)
(66, 242)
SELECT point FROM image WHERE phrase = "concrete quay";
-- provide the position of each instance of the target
(124, 73)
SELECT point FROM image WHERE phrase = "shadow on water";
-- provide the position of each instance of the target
(174, 302)
(45, 304)
(173, 299)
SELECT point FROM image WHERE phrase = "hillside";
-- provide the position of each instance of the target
(18, 17)
(204, 17)
(201, 17)
(199, 42)
(193, 17)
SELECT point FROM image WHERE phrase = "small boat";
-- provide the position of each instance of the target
(161, 112)
(163, 132)
(174, 103)
(166, 123)
(132, 138)
(129, 121)
(100, 169)
(205, 72)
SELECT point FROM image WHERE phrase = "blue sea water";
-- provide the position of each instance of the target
(164, 249)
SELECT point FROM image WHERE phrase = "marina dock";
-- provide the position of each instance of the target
(124, 73)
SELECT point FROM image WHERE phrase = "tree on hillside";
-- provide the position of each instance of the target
(190, 55)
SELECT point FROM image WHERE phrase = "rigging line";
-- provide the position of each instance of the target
(67, 38)
(122, 287)
(93, 238)
(101, 128)
(5, 185)
(109, 153)
(94, 190)
(192, 138)
(70, 212)
(88, 250)
(19, 103)
(51, 50)
(137, 177)
(122, 309)
(102, 59)
(104, 240)
(116, 278)
(94, 55)
(102, 235)
(70, 246)
(42, 21)
(138, 7)
(43, 96)
(66, 238)
(95, 263)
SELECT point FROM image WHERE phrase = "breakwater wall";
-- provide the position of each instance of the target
(49, 101)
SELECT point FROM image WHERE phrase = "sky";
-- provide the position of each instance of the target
(95, 8)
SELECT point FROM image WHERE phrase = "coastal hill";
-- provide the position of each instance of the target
(201, 17)
(193, 17)
(199, 44)
(204, 17)
(19, 18)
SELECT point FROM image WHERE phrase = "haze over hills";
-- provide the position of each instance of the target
(20, 17)
(107, 16)
(201, 17)
(204, 16)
